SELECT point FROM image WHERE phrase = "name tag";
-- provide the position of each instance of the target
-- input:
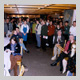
(16, 47)
(45, 37)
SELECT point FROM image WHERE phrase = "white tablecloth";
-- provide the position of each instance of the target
(7, 62)
(6, 40)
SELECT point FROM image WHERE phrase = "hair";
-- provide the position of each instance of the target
(37, 20)
(57, 23)
(74, 21)
(66, 22)
(17, 27)
(14, 38)
(71, 35)
(60, 22)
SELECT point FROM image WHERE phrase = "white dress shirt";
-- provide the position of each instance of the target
(73, 30)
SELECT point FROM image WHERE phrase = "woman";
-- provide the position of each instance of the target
(14, 48)
(38, 33)
(24, 30)
(57, 29)
(65, 53)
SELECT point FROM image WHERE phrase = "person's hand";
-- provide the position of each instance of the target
(24, 33)
(63, 31)
(65, 52)
(7, 50)
(12, 51)
(57, 44)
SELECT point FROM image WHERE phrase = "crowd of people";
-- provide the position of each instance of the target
(50, 32)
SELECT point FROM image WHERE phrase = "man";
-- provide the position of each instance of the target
(29, 36)
(8, 27)
(66, 30)
(65, 53)
(47, 22)
(73, 29)
(59, 40)
(51, 31)
(18, 36)
(44, 35)
(38, 33)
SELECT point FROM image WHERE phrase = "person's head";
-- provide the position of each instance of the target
(27, 19)
(25, 22)
(43, 22)
(14, 32)
(19, 23)
(17, 29)
(37, 21)
(53, 19)
(7, 20)
(40, 19)
(66, 23)
(13, 41)
(50, 22)
(56, 19)
(58, 26)
(12, 20)
(61, 23)
(74, 23)
(4, 20)
(59, 33)
(20, 19)
(71, 37)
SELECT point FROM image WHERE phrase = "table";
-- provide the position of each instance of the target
(6, 40)
(6, 58)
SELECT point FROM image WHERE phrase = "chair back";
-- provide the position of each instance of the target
(21, 71)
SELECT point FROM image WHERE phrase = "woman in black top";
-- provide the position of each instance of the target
(14, 48)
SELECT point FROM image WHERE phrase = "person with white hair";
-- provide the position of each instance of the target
(65, 53)
(58, 40)
(73, 29)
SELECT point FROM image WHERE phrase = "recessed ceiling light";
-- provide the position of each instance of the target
(7, 4)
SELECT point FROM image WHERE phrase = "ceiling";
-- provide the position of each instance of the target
(37, 9)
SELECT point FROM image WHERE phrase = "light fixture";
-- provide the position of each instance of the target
(10, 7)
(7, 4)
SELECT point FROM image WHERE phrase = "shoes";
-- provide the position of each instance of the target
(27, 51)
(64, 71)
(21, 56)
(9, 70)
(54, 64)
(38, 47)
(53, 58)
(60, 69)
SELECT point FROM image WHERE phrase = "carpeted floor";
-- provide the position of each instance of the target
(38, 63)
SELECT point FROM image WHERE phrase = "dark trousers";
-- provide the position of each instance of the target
(25, 42)
(66, 36)
(50, 40)
(29, 37)
(60, 58)
(34, 37)
(43, 43)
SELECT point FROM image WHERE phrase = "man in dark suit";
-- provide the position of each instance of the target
(58, 40)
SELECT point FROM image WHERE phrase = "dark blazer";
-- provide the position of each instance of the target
(16, 36)
(17, 48)
(44, 30)
(61, 41)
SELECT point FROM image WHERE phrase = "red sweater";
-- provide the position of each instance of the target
(67, 46)
(51, 30)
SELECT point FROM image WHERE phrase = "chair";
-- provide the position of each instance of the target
(62, 49)
(19, 62)
(21, 71)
